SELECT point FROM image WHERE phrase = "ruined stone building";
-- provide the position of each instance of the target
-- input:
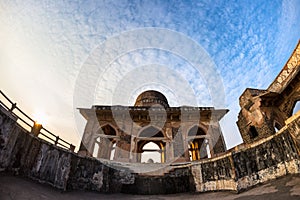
(264, 112)
(180, 133)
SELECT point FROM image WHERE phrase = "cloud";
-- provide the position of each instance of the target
(249, 42)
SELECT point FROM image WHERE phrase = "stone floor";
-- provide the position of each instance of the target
(15, 188)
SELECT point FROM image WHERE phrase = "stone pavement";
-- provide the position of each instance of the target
(18, 188)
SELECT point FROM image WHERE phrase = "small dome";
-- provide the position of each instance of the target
(151, 98)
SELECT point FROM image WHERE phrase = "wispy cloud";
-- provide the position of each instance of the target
(45, 45)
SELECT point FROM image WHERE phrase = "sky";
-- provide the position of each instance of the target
(57, 56)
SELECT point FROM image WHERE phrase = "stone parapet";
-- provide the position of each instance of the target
(236, 170)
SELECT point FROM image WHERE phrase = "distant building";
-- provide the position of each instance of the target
(180, 134)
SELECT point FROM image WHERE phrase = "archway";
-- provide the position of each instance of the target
(197, 145)
(108, 130)
(151, 132)
(107, 142)
(151, 153)
(296, 107)
(151, 143)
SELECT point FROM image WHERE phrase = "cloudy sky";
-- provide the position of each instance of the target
(56, 56)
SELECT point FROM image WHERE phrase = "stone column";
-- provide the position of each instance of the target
(86, 145)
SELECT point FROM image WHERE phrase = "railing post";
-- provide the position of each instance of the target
(13, 106)
(36, 128)
(56, 141)
(72, 147)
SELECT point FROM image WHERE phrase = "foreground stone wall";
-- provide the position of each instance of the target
(238, 169)
(248, 165)
(29, 156)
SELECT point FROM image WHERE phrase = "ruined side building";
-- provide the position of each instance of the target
(264, 112)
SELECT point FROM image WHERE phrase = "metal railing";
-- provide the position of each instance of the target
(43, 133)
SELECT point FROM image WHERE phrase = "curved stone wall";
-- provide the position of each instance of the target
(238, 169)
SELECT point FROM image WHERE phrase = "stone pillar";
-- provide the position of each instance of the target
(104, 148)
(184, 132)
(123, 147)
(169, 145)
(86, 145)
(217, 140)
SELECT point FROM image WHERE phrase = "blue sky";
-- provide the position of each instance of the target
(45, 45)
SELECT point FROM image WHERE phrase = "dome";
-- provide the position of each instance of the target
(151, 98)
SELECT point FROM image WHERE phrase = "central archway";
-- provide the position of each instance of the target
(151, 143)
(151, 153)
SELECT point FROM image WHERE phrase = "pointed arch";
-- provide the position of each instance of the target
(107, 129)
(107, 142)
(151, 152)
(197, 129)
(197, 145)
(296, 107)
(151, 131)
(151, 134)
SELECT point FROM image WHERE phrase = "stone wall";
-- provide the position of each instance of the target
(178, 180)
(23, 154)
(243, 167)
(249, 165)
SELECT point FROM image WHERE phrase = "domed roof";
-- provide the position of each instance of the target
(151, 98)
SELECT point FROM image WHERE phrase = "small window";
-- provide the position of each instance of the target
(277, 126)
(253, 132)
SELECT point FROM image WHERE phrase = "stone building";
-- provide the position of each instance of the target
(177, 134)
(264, 112)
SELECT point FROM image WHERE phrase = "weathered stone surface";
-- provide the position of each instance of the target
(237, 170)
(174, 182)
(131, 128)
(265, 111)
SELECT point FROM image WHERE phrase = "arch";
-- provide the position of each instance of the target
(198, 149)
(197, 146)
(151, 153)
(151, 131)
(292, 105)
(106, 146)
(296, 107)
(197, 130)
(108, 129)
(151, 134)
